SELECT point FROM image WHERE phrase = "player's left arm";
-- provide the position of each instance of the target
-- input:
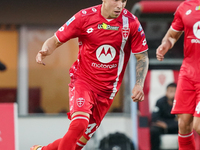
(141, 71)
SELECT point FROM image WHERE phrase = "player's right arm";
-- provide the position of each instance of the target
(70, 29)
(172, 35)
(47, 49)
(167, 43)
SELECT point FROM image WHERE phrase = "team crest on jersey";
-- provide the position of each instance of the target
(125, 32)
(80, 102)
(107, 27)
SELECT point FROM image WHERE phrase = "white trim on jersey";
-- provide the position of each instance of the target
(57, 38)
(174, 29)
(121, 57)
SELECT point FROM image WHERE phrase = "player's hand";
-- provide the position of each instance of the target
(161, 124)
(137, 93)
(162, 50)
(40, 56)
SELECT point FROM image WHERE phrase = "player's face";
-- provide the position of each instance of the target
(112, 8)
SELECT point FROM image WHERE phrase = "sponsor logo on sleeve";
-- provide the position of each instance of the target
(144, 42)
(70, 20)
(140, 29)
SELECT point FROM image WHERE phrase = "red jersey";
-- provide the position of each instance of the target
(104, 47)
(187, 19)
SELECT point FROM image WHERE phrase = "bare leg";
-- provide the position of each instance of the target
(186, 136)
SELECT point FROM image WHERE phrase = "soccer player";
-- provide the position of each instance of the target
(187, 97)
(107, 34)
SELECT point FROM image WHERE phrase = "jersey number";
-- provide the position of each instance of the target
(198, 108)
(89, 129)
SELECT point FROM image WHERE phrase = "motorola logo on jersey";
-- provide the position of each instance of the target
(105, 53)
(196, 29)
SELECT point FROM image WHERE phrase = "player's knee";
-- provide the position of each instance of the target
(83, 140)
(196, 125)
(79, 122)
(197, 129)
(184, 127)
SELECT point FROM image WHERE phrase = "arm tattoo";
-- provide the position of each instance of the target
(141, 67)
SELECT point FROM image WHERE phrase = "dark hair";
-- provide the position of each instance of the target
(171, 85)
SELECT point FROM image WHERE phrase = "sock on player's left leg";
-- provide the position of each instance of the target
(80, 145)
(186, 141)
(78, 126)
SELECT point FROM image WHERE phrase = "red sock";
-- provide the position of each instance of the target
(78, 125)
(186, 141)
(79, 145)
(52, 146)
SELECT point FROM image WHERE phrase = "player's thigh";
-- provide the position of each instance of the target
(196, 124)
(185, 97)
(185, 123)
(80, 100)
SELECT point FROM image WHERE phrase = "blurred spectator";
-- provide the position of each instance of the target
(38, 110)
(2, 66)
(117, 110)
(163, 122)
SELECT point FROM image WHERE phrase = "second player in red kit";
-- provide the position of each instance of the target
(187, 98)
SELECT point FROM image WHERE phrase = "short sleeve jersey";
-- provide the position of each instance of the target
(104, 47)
(187, 19)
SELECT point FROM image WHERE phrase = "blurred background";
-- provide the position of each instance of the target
(41, 92)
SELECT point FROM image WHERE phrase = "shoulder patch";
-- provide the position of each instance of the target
(128, 14)
(90, 10)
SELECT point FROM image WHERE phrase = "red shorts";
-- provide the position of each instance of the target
(81, 98)
(187, 98)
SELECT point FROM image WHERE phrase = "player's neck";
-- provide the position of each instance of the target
(104, 13)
